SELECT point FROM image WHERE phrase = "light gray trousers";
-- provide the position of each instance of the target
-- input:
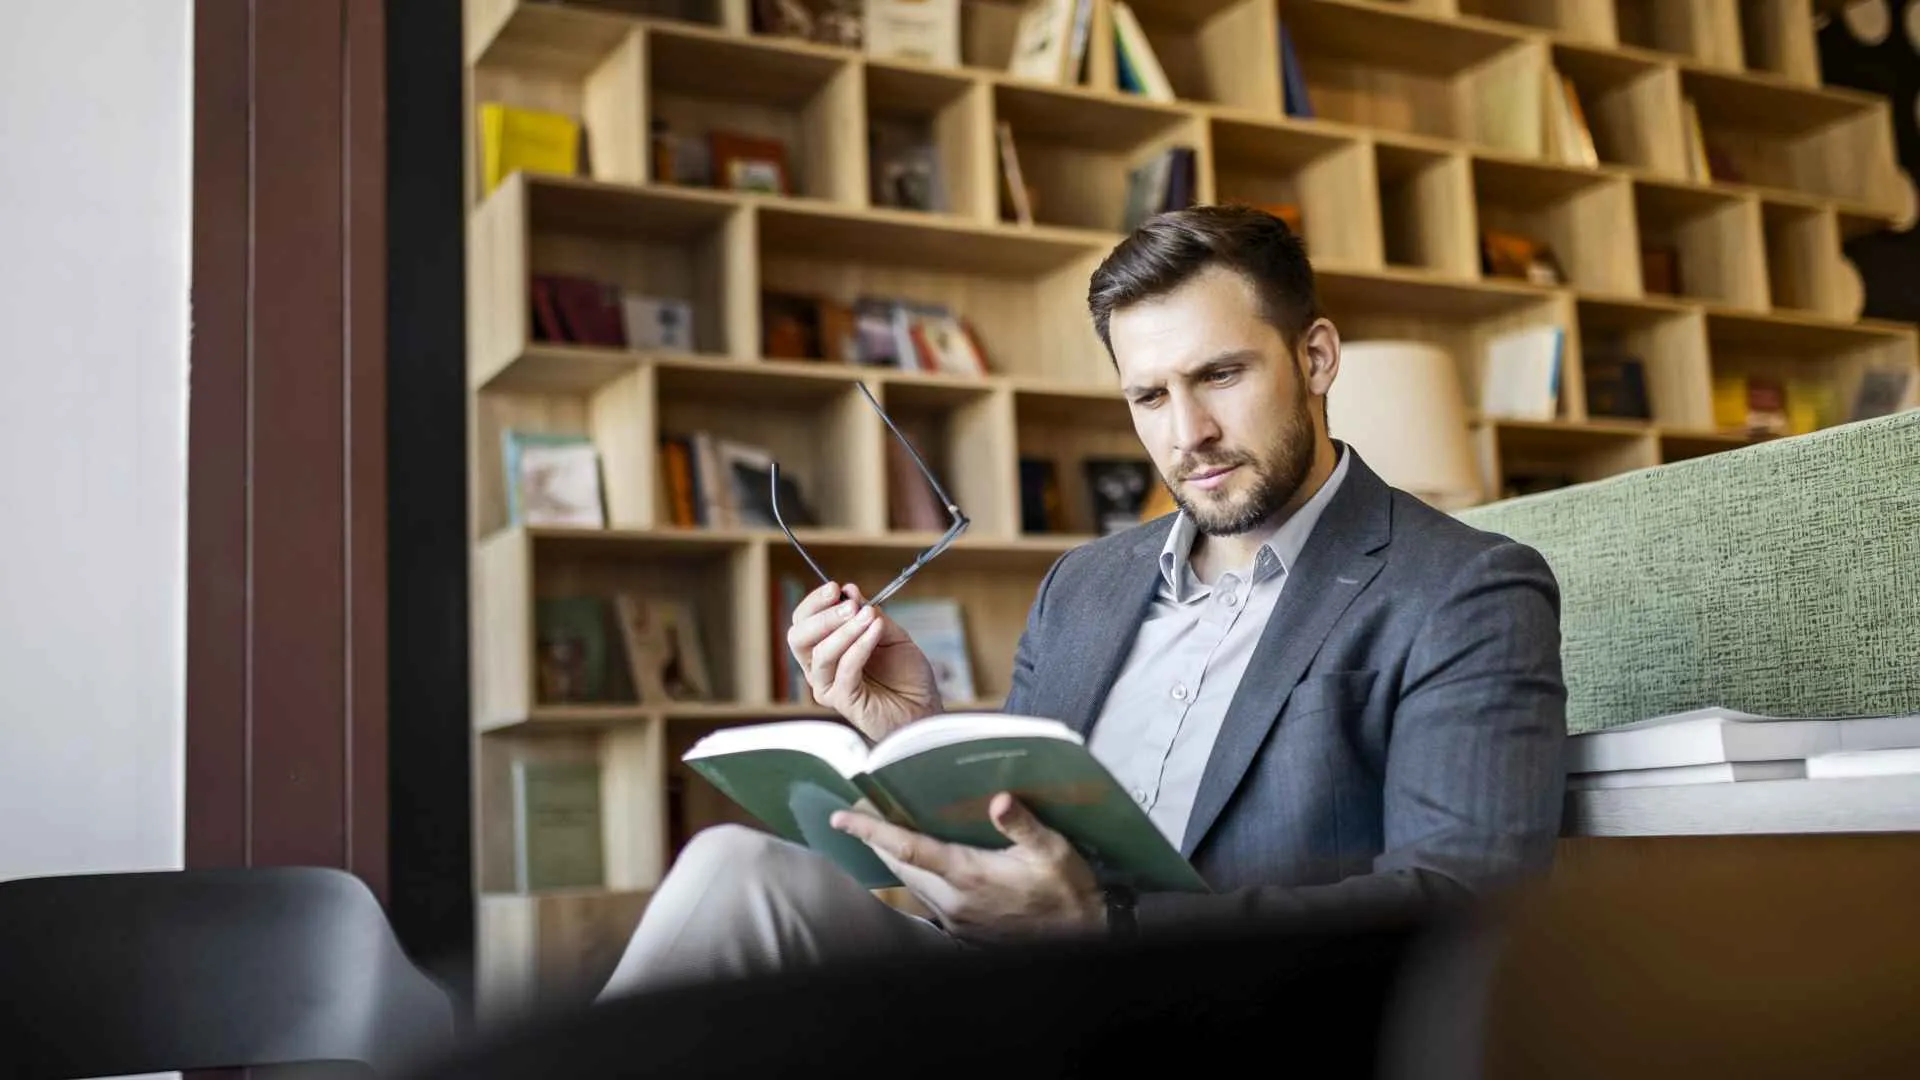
(738, 902)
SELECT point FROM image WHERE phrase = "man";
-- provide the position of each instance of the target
(1335, 699)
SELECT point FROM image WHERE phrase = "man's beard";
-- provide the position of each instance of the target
(1277, 476)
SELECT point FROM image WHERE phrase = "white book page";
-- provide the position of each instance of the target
(1520, 376)
(954, 728)
(836, 744)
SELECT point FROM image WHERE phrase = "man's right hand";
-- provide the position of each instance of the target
(859, 663)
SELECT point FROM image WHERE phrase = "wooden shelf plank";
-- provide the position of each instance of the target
(1078, 116)
(1795, 333)
(664, 212)
(1769, 103)
(706, 61)
(1398, 37)
(548, 39)
(905, 238)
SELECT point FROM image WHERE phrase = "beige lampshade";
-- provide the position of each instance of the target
(1399, 403)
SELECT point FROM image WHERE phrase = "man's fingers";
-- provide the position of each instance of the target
(1018, 824)
(854, 662)
(905, 846)
(824, 669)
(817, 601)
(810, 628)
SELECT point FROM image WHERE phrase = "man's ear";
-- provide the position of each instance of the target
(1320, 356)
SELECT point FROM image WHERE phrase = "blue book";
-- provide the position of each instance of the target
(1291, 80)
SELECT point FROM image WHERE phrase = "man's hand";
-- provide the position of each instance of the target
(1039, 886)
(859, 663)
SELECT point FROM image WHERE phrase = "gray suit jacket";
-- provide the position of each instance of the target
(1396, 741)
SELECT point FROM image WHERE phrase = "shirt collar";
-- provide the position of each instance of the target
(1277, 555)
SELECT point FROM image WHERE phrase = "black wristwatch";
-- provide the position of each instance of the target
(1121, 923)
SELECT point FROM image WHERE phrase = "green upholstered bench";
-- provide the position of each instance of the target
(1781, 578)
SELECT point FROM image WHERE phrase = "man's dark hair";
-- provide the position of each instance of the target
(1169, 249)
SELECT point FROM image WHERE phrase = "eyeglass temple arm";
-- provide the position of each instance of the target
(774, 501)
(945, 499)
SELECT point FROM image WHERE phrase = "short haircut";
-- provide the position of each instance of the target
(1169, 249)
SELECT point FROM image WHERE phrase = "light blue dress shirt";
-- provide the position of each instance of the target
(1158, 724)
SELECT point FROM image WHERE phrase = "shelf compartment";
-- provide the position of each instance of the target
(1829, 142)
(1571, 20)
(1224, 52)
(1804, 270)
(518, 568)
(815, 423)
(679, 245)
(1426, 209)
(994, 595)
(965, 435)
(947, 116)
(1632, 106)
(1686, 445)
(1064, 430)
(1704, 31)
(1519, 458)
(1576, 212)
(550, 952)
(1461, 318)
(1402, 70)
(1671, 344)
(1777, 37)
(618, 416)
(587, 65)
(1714, 240)
(1022, 290)
(701, 82)
(1076, 150)
(633, 810)
(1327, 176)
(1819, 364)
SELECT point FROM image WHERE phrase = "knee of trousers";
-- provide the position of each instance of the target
(736, 852)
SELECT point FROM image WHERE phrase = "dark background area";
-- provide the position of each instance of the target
(430, 752)
(1889, 261)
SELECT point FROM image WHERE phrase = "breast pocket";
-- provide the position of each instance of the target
(1344, 693)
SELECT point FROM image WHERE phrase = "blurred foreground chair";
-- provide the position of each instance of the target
(111, 974)
(1306, 1002)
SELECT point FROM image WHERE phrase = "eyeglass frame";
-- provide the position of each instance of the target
(960, 519)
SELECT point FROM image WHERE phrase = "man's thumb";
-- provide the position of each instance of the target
(1016, 822)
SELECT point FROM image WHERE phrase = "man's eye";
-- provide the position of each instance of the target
(1147, 398)
(1221, 375)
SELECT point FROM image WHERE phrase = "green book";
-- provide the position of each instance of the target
(936, 777)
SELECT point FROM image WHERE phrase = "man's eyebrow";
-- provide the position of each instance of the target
(1231, 356)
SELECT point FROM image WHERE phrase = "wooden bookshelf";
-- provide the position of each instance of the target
(1428, 128)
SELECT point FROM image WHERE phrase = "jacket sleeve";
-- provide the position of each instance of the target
(1474, 778)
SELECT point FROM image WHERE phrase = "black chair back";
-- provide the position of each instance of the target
(111, 974)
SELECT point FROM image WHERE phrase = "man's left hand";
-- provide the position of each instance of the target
(1038, 886)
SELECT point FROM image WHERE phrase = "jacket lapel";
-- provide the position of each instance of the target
(1099, 645)
(1334, 567)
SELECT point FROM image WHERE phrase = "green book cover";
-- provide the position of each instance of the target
(937, 777)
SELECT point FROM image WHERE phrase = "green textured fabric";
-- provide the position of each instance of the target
(1781, 578)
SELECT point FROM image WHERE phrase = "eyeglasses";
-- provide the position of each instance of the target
(960, 520)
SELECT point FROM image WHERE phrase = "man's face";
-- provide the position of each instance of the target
(1218, 400)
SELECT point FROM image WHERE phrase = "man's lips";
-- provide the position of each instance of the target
(1210, 476)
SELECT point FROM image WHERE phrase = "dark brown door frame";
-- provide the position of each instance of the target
(287, 721)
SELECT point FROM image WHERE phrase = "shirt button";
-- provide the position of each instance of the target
(1179, 692)
(1230, 600)
(1140, 796)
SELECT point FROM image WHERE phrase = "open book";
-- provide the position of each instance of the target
(936, 776)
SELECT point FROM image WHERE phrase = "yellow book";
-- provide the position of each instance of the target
(1730, 402)
(512, 138)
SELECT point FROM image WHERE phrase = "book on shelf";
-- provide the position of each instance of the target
(1616, 383)
(1714, 735)
(1017, 197)
(1162, 183)
(718, 482)
(1520, 374)
(557, 835)
(552, 479)
(1136, 66)
(1050, 42)
(1293, 81)
(938, 626)
(1567, 137)
(919, 31)
(1117, 490)
(621, 646)
(937, 776)
(904, 164)
(516, 139)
